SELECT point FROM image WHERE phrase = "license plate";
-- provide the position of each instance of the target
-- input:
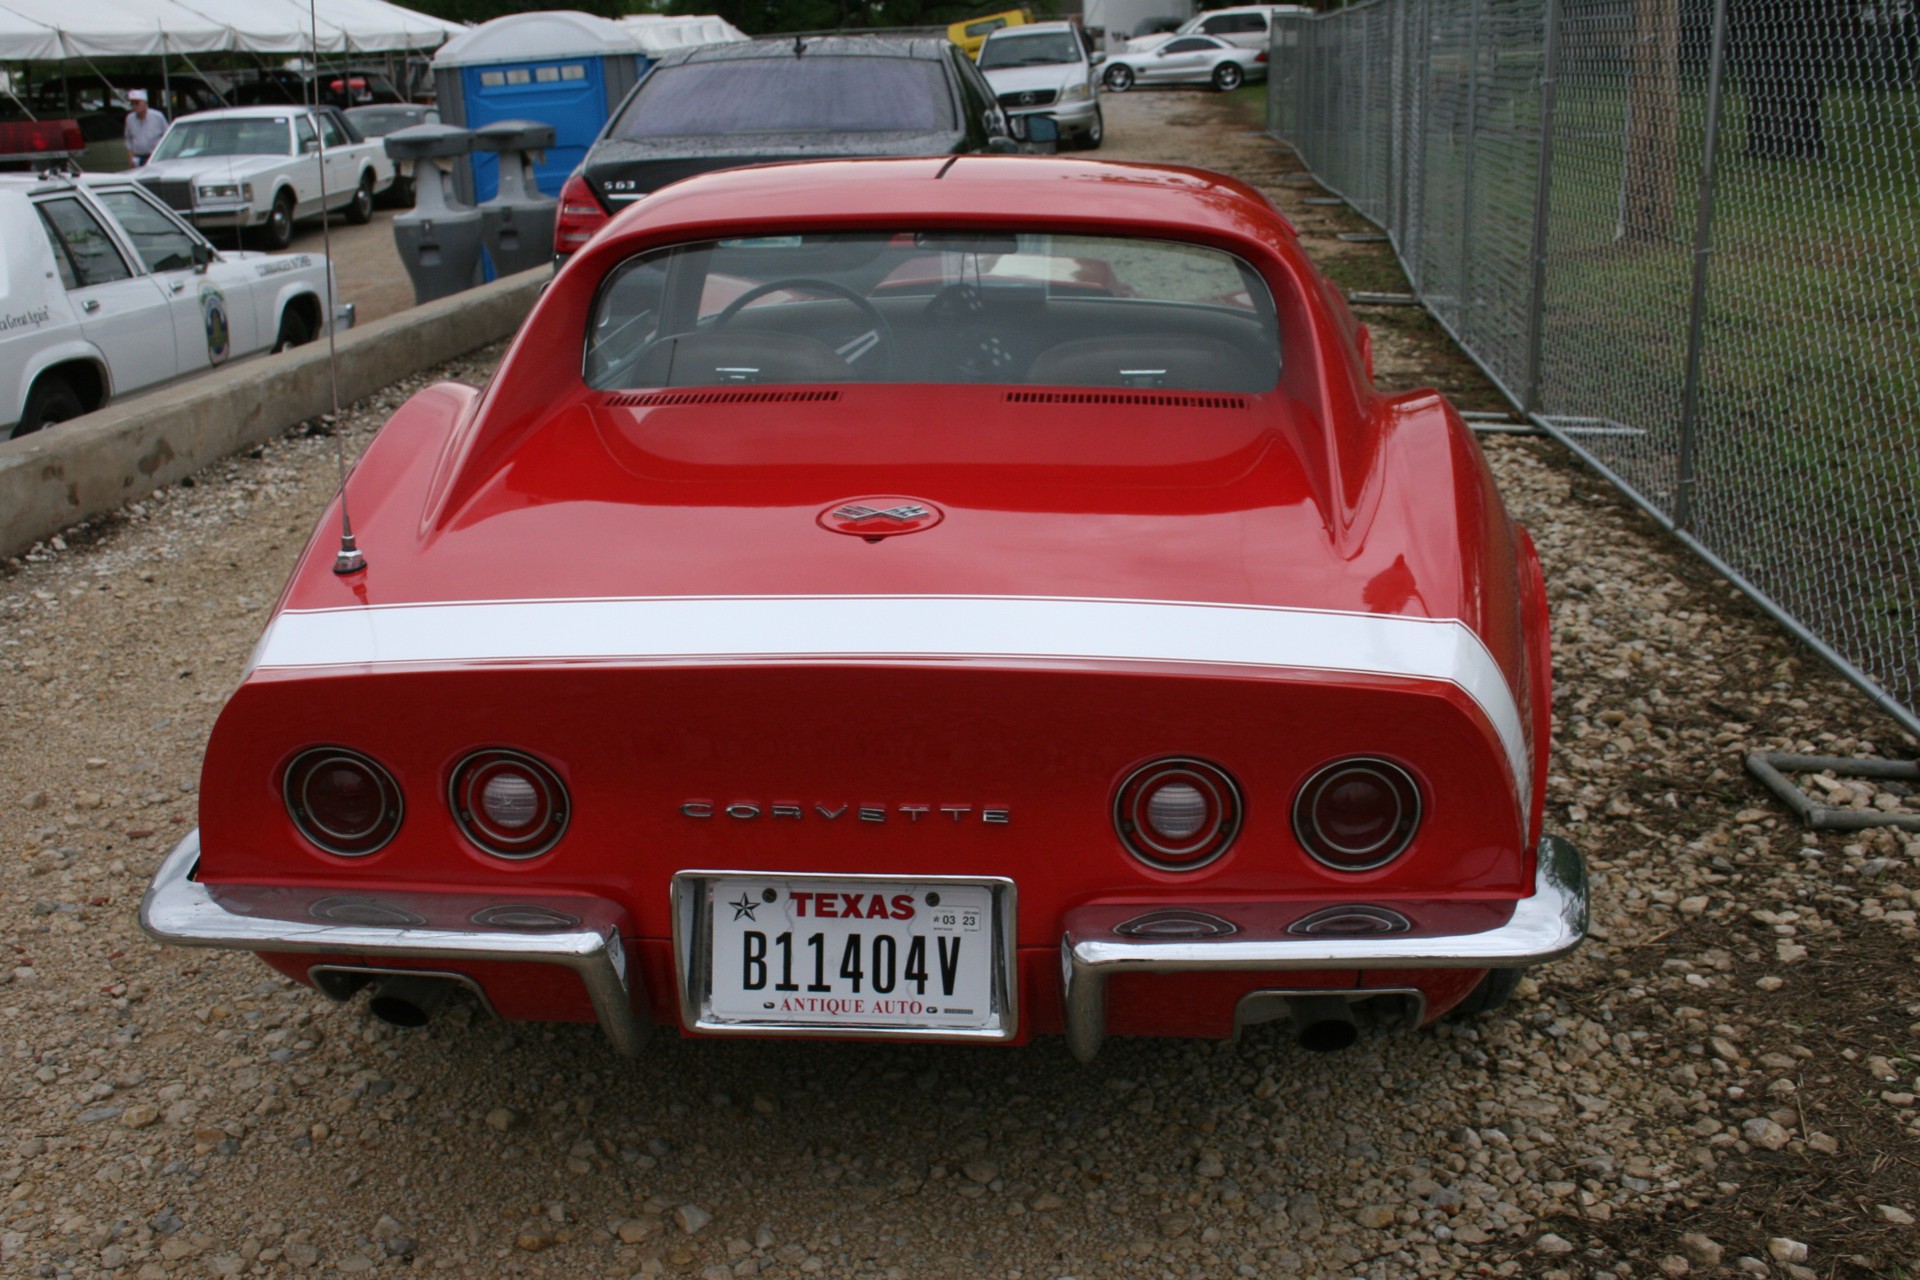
(861, 956)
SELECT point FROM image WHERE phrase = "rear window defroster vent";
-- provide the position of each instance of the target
(654, 399)
(1163, 399)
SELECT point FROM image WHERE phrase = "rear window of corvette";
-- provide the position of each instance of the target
(912, 305)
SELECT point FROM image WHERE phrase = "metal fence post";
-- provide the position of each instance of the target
(1530, 392)
(1702, 253)
(1463, 286)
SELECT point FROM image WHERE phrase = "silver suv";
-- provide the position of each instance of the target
(1045, 68)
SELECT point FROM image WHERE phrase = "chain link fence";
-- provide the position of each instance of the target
(1682, 235)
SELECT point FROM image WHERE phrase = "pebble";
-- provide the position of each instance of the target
(1781, 1249)
(503, 1119)
(981, 1171)
(1893, 1214)
(1765, 1133)
(1701, 1250)
(690, 1218)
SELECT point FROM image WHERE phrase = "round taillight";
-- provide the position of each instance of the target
(342, 801)
(1177, 814)
(509, 804)
(1355, 815)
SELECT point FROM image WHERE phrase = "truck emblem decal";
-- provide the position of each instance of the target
(213, 312)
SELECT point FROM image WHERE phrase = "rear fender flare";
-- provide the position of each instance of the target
(288, 295)
(73, 351)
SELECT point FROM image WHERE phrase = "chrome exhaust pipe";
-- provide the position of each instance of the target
(1323, 1024)
(408, 1002)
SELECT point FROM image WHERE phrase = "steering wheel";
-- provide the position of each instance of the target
(877, 339)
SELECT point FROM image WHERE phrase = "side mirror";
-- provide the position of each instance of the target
(1099, 59)
(203, 256)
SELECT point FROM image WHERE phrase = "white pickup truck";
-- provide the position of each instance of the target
(263, 168)
(104, 291)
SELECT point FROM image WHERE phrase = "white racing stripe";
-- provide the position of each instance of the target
(838, 628)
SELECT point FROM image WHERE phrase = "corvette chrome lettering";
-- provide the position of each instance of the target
(752, 810)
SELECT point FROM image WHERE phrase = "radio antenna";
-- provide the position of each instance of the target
(348, 558)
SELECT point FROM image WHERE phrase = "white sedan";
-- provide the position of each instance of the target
(105, 291)
(1187, 60)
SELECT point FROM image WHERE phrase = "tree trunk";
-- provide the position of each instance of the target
(1653, 105)
(1780, 48)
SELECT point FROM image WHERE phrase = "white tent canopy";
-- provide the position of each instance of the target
(43, 30)
(24, 40)
(660, 33)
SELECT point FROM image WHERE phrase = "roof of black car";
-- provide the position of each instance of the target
(815, 46)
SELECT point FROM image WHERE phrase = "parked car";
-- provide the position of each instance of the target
(1245, 26)
(1045, 69)
(970, 34)
(1187, 60)
(948, 598)
(382, 119)
(342, 87)
(105, 291)
(266, 168)
(757, 101)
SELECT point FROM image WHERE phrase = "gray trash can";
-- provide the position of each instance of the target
(439, 239)
(517, 223)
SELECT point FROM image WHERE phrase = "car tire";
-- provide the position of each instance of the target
(52, 400)
(1493, 993)
(295, 330)
(277, 232)
(1095, 134)
(1119, 77)
(360, 208)
(400, 194)
(1228, 76)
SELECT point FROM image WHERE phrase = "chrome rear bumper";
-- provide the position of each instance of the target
(1543, 927)
(577, 933)
(583, 934)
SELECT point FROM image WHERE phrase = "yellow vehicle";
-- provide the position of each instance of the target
(973, 33)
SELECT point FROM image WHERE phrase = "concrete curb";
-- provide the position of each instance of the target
(56, 478)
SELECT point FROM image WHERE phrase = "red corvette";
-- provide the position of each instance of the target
(962, 599)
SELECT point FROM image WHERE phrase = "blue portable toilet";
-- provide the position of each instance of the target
(560, 67)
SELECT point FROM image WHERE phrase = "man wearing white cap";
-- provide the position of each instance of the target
(145, 127)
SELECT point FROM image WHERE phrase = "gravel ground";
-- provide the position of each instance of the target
(1723, 1082)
